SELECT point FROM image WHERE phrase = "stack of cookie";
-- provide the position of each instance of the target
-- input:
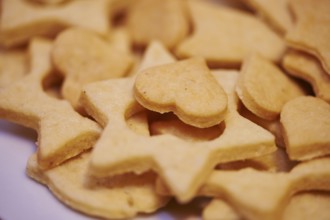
(139, 102)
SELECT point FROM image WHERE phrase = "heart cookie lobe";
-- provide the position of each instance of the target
(186, 88)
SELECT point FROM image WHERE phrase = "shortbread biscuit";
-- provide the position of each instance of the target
(264, 88)
(162, 20)
(13, 66)
(21, 20)
(266, 194)
(306, 128)
(109, 101)
(120, 197)
(307, 67)
(220, 209)
(308, 205)
(186, 88)
(224, 36)
(180, 129)
(277, 161)
(139, 123)
(275, 12)
(274, 126)
(303, 206)
(62, 132)
(83, 56)
(155, 55)
(49, 2)
(311, 32)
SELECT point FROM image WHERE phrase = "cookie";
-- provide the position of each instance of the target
(308, 68)
(170, 29)
(177, 87)
(266, 194)
(62, 132)
(120, 197)
(306, 128)
(220, 209)
(163, 152)
(83, 56)
(264, 88)
(218, 32)
(308, 205)
(22, 20)
(13, 66)
(311, 30)
(276, 13)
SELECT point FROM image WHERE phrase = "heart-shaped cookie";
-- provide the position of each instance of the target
(186, 88)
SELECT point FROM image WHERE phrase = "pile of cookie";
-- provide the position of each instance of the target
(137, 102)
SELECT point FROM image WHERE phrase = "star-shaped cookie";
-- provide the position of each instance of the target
(182, 165)
(62, 132)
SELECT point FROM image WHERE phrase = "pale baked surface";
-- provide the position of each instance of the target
(177, 87)
(308, 68)
(13, 66)
(311, 31)
(266, 194)
(119, 197)
(25, 102)
(275, 12)
(306, 128)
(170, 29)
(83, 56)
(264, 88)
(22, 20)
(133, 82)
(227, 47)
